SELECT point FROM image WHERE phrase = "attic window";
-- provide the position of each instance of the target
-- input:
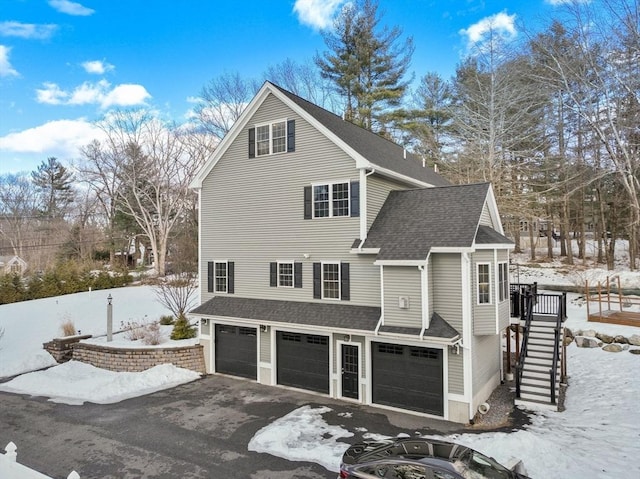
(271, 138)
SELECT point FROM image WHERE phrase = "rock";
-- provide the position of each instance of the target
(568, 333)
(625, 347)
(634, 339)
(585, 342)
(612, 348)
(635, 351)
(620, 339)
(605, 338)
(589, 333)
(568, 340)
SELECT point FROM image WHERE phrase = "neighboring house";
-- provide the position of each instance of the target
(12, 265)
(333, 261)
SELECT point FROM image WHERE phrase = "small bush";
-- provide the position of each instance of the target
(132, 330)
(68, 328)
(152, 336)
(182, 329)
(167, 320)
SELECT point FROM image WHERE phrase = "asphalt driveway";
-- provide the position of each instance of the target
(198, 430)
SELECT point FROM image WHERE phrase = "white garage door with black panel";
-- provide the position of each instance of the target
(303, 361)
(408, 377)
(236, 351)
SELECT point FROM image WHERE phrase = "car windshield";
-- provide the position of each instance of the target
(473, 465)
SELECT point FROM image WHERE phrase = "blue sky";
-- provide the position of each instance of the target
(65, 64)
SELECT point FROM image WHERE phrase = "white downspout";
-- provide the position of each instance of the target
(467, 326)
(381, 321)
(424, 286)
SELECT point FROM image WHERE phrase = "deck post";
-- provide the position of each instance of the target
(508, 349)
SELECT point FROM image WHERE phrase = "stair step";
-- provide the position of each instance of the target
(544, 383)
(536, 404)
(542, 374)
(544, 390)
(535, 346)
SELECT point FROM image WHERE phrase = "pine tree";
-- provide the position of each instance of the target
(366, 64)
(54, 182)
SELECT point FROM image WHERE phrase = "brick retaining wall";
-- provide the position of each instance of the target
(62, 348)
(134, 360)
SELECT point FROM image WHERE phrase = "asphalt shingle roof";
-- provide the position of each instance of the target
(332, 315)
(487, 235)
(376, 149)
(411, 222)
(438, 328)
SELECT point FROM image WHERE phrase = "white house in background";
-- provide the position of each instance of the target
(12, 265)
(331, 260)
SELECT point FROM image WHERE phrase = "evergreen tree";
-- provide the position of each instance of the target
(366, 64)
(54, 182)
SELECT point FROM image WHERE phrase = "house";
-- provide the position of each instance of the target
(331, 260)
(12, 265)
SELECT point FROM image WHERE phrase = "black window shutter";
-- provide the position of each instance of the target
(355, 198)
(344, 282)
(308, 203)
(273, 274)
(230, 272)
(210, 276)
(291, 135)
(297, 275)
(317, 280)
(252, 142)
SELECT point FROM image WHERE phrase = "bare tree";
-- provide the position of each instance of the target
(18, 212)
(222, 101)
(178, 294)
(154, 164)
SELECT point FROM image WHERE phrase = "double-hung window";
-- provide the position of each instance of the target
(331, 280)
(484, 283)
(220, 276)
(285, 275)
(503, 281)
(331, 200)
(271, 138)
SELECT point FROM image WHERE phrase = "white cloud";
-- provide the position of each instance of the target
(71, 8)
(317, 14)
(6, 70)
(61, 138)
(100, 93)
(500, 24)
(97, 67)
(27, 30)
(565, 2)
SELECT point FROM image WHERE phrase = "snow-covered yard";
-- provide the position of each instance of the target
(596, 437)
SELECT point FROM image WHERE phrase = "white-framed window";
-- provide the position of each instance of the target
(331, 280)
(285, 275)
(331, 200)
(271, 138)
(16, 268)
(220, 276)
(503, 281)
(483, 277)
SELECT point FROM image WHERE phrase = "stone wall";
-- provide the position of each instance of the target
(62, 348)
(139, 359)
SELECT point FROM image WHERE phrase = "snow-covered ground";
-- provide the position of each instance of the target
(596, 437)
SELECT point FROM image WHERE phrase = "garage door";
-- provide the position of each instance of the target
(407, 377)
(303, 361)
(236, 351)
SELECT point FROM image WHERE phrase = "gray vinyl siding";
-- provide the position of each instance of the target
(378, 189)
(486, 353)
(485, 217)
(265, 346)
(447, 287)
(456, 373)
(402, 281)
(504, 308)
(484, 315)
(252, 213)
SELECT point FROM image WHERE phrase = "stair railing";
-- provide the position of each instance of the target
(527, 316)
(556, 349)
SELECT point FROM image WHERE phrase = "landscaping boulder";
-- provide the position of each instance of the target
(568, 333)
(605, 338)
(612, 348)
(634, 340)
(635, 351)
(589, 333)
(586, 342)
(620, 339)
